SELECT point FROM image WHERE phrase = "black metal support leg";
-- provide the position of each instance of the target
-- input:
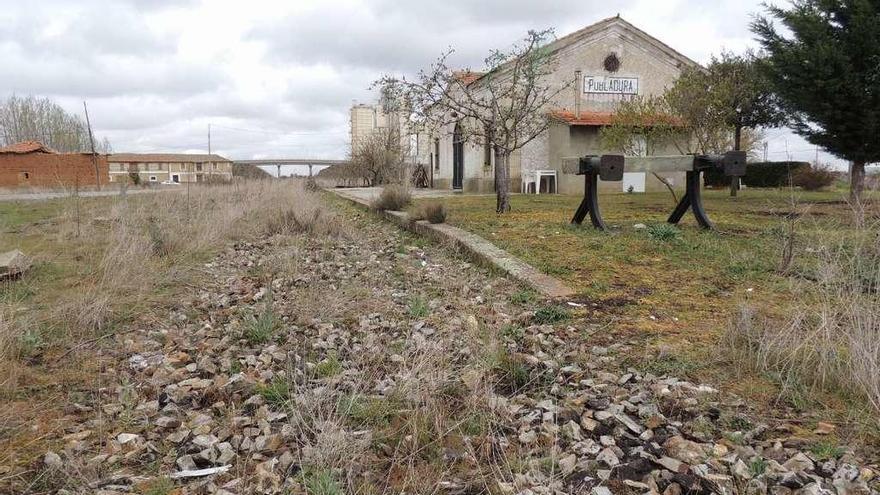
(692, 199)
(590, 203)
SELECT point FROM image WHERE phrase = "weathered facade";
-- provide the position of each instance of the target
(30, 164)
(169, 167)
(599, 66)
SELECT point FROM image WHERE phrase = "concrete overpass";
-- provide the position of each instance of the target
(278, 162)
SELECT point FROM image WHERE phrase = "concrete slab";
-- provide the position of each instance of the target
(477, 248)
(368, 194)
(13, 263)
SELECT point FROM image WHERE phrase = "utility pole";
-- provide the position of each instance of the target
(94, 155)
(209, 139)
(765, 151)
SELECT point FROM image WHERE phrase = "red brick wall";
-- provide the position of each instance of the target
(51, 170)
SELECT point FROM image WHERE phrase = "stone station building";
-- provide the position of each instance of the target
(609, 61)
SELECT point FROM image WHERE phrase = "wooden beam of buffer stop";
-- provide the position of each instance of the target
(612, 167)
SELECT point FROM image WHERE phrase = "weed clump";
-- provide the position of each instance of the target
(418, 307)
(276, 392)
(260, 328)
(551, 314)
(663, 232)
(328, 367)
(393, 197)
(813, 177)
(434, 212)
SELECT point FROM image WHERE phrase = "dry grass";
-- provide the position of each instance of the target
(393, 197)
(433, 212)
(131, 254)
(830, 339)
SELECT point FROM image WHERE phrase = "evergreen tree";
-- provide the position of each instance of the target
(825, 68)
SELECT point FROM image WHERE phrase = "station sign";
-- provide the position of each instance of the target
(611, 85)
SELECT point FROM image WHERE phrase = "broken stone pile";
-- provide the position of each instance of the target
(193, 400)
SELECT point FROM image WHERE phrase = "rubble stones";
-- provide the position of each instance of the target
(227, 415)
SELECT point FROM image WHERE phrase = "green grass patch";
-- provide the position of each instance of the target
(551, 314)
(368, 411)
(824, 451)
(524, 297)
(417, 307)
(330, 366)
(259, 329)
(276, 392)
(320, 482)
(663, 232)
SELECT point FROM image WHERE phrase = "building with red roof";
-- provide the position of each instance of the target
(32, 164)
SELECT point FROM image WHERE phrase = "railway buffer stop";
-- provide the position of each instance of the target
(612, 167)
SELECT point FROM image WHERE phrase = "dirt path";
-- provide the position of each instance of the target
(371, 363)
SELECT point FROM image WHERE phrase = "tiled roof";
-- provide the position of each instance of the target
(607, 118)
(164, 158)
(585, 117)
(467, 76)
(25, 147)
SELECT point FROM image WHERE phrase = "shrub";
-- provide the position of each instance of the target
(758, 174)
(394, 197)
(813, 177)
(663, 232)
(432, 212)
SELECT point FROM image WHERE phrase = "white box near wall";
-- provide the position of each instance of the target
(636, 180)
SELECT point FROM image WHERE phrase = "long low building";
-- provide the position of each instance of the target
(169, 167)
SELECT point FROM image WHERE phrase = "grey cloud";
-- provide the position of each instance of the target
(388, 35)
(113, 29)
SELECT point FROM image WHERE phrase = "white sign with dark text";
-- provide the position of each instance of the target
(611, 85)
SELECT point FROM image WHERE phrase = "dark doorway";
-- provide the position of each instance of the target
(457, 158)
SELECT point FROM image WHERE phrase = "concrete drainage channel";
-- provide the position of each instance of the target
(475, 247)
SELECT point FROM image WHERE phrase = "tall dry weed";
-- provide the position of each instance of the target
(129, 248)
(830, 338)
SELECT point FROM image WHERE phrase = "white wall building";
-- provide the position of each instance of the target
(607, 62)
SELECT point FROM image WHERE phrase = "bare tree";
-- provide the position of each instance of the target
(41, 119)
(505, 108)
(380, 157)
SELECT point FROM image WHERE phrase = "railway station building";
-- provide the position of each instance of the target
(609, 62)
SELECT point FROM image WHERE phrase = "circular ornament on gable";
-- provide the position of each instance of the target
(611, 62)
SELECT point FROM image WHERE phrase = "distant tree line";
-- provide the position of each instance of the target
(28, 118)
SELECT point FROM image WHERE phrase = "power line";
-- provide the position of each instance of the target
(282, 133)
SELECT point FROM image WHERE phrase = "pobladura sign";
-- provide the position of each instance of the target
(611, 85)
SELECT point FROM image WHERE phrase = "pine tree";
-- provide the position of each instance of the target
(826, 72)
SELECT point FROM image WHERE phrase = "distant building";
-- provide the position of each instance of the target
(169, 167)
(365, 120)
(594, 68)
(31, 164)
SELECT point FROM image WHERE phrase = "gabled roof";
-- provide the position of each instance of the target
(164, 158)
(25, 147)
(592, 118)
(583, 33)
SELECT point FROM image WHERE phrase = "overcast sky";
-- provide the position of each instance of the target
(276, 78)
